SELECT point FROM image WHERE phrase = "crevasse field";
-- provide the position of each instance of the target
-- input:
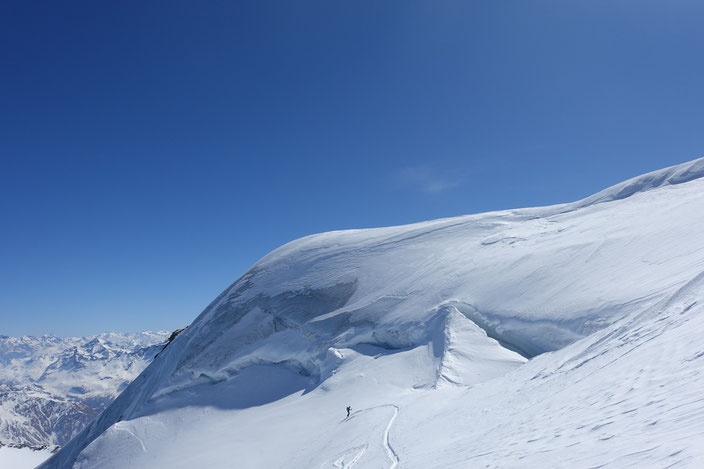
(564, 336)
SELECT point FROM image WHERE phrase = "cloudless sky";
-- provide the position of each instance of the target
(150, 152)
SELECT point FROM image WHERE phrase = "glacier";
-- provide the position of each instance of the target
(561, 336)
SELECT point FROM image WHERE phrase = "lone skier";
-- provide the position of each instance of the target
(348, 411)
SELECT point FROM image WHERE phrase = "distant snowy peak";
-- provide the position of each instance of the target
(33, 359)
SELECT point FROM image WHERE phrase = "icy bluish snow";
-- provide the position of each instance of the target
(436, 334)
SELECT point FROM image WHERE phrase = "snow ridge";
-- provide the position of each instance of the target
(678, 174)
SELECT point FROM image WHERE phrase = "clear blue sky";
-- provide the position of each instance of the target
(150, 152)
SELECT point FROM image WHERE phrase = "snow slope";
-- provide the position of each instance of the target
(52, 387)
(22, 458)
(564, 336)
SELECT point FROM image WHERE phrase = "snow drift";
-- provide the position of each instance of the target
(436, 333)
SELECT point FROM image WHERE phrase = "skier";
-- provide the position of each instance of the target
(348, 411)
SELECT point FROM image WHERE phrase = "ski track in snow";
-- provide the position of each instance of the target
(144, 448)
(385, 442)
(389, 450)
(339, 461)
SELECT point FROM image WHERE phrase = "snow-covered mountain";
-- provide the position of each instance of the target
(52, 387)
(564, 336)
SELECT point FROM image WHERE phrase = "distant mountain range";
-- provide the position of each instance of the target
(52, 387)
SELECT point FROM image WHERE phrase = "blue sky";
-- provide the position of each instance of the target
(151, 152)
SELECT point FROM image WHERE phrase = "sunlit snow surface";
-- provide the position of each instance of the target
(400, 323)
(21, 458)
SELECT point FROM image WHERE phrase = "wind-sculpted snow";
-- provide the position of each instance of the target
(669, 176)
(626, 396)
(437, 320)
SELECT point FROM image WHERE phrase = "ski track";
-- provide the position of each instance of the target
(339, 462)
(389, 450)
(144, 448)
(387, 445)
